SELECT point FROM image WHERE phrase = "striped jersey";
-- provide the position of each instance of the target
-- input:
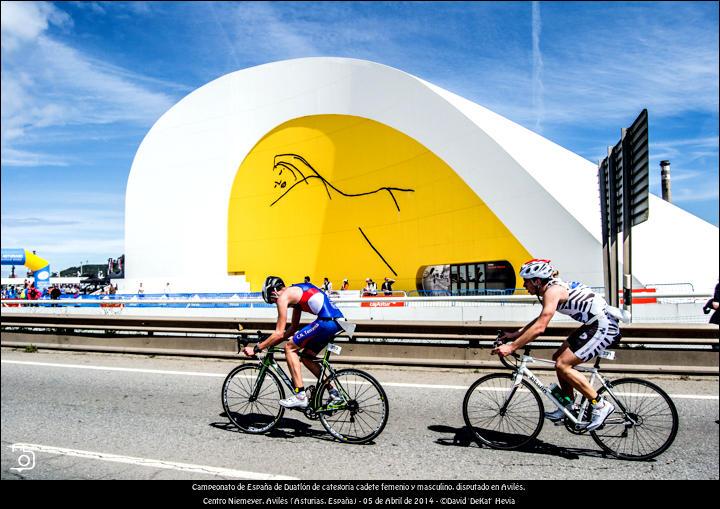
(582, 304)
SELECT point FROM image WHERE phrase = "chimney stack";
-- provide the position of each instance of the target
(665, 181)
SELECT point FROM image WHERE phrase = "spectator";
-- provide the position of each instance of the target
(714, 304)
(32, 293)
(387, 286)
(307, 279)
(345, 285)
(327, 286)
(55, 294)
(370, 287)
(141, 290)
(113, 289)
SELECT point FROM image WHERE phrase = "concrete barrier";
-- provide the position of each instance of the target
(656, 348)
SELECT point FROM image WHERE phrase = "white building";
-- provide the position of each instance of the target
(342, 168)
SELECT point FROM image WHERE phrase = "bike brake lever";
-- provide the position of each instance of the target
(242, 341)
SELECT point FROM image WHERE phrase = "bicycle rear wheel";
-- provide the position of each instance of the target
(362, 414)
(644, 423)
(252, 414)
(501, 414)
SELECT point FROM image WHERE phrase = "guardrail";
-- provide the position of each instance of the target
(644, 348)
(135, 300)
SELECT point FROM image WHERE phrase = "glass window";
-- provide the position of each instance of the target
(472, 278)
(468, 278)
(481, 276)
(500, 275)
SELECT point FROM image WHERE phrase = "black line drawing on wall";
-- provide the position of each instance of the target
(293, 170)
(313, 174)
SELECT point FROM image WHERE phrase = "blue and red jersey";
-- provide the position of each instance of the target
(316, 302)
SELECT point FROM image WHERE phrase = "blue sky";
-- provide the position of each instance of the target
(83, 82)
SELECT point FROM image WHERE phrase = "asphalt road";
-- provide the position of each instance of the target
(108, 416)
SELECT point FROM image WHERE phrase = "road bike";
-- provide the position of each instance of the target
(505, 411)
(251, 397)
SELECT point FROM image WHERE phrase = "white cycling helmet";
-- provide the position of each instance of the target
(537, 268)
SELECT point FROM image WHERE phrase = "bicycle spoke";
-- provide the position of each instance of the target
(365, 411)
(254, 415)
(502, 414)
(646, 428)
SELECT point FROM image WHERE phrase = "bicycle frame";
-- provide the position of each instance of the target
(268, 362)
(522, 371)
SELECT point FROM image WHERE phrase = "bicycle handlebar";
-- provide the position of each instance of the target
(503, 359)
(243, 341)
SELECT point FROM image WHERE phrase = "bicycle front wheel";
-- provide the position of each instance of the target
(501, 414)
(644, 423)
(252, 403)
(363, 412)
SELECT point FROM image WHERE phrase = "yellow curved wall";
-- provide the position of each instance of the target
(287, 220)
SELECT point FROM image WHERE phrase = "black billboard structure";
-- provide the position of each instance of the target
(624, 178)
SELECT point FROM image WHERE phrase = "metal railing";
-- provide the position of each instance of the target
(253, 299)
(655, 348)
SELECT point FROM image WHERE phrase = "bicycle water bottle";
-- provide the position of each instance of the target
(556, 391)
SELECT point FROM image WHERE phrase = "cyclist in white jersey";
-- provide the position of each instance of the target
(599, 330)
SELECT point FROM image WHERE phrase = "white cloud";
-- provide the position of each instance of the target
(46, 83)
(684, 195)
(537, 78)
(690, 149)
(607, 74)
(13, 157)
(260, 27)
(22, 22)
(65, 234)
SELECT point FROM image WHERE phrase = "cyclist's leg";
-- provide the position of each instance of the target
(565, 384)
(313, 338)
(584, 344)
(572, 378)
(292, 351)
(308, 359)
(292, 357)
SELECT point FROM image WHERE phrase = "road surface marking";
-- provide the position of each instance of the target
(153, 463)
(310, 380)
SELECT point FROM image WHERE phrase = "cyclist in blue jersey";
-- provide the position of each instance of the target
(599, 330)
(312, 338)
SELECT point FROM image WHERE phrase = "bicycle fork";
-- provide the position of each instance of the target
(517, 380)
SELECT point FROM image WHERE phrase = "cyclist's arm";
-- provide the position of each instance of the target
(294, 323)
(551, 299)
(519, 332)
(279, 335)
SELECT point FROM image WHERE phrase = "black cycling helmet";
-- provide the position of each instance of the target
(271, 285)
